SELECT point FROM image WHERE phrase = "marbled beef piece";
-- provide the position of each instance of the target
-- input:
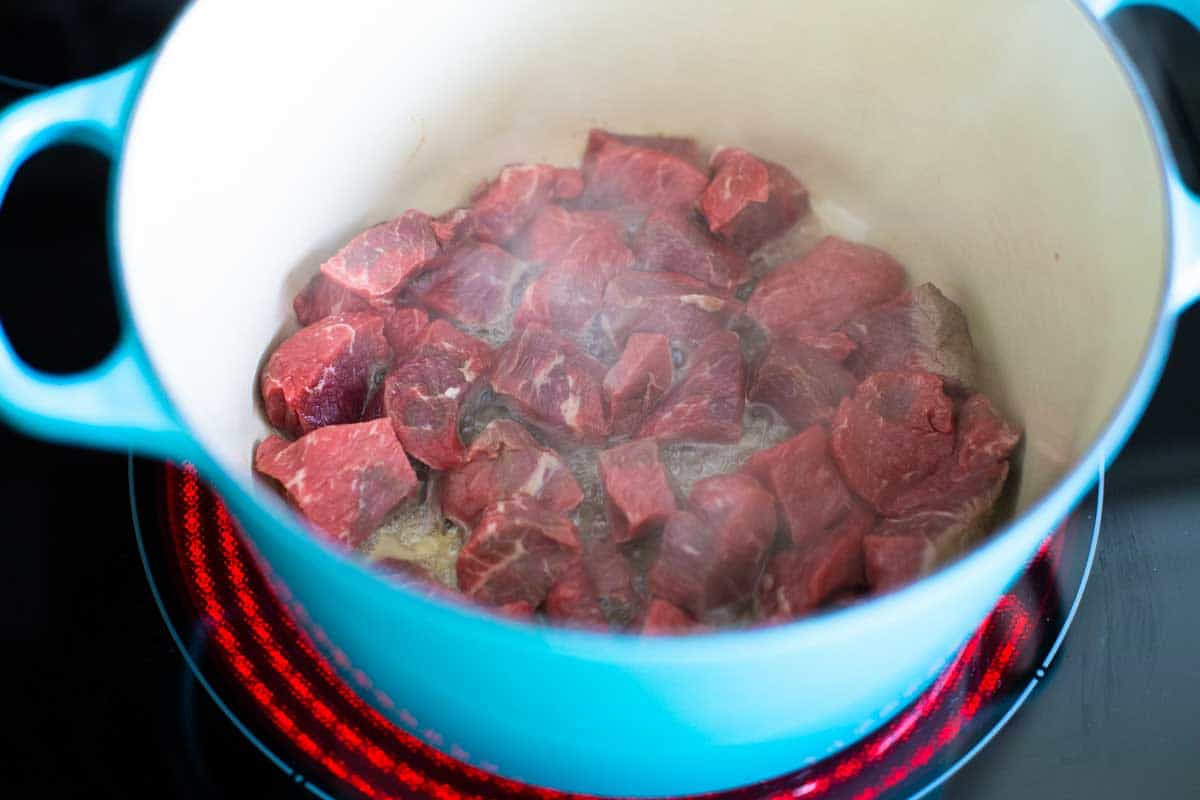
(612, 576)
(665, 619)
(572, 600)
(801, 578)
(920, 330)
(423, 394)
(323, 373)
(750, 200)
(891, 435)
(808, 489)
(639, 379)
(505, 461)
(674, 241)
(516, 553)
(835, 282)
(380, 261)
(553, 383)
(707, 404)
(570, 291)
(677, 306)
(638, 490)
(471, 284)
(344, 479)
(804, 384)
(322, 298)
(683, 147)
(403, 328)
(619, 174)
(555, 230)
(500, 208)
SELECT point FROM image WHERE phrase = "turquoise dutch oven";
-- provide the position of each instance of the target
(1002, 149)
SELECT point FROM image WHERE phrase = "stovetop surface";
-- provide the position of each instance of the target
(99, 703)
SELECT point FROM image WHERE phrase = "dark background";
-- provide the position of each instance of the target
(97, 703)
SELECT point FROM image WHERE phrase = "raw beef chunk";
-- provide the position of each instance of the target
(501, 208)
(470, 356)
(801, 578)
(919, 330)
(638, 380)
(894, 558)
(612, 577)
(345, 479)
(712, 556)
(707, 404)
(679, 146)
(742, 516)
(403, 328)
(803, 384)
(472, 284)
(378, 262)
(517, 551)
(671, 241)
(553, 383)
(555, 230)
(675, 305)
(572, 600)
(984, 438)
(801, 474)
(452, 227)
(422, 397)
(505, 461)
(891, 435)
(571, 289)
(322, 297)
(322, 374)
(663, 619)
(833, 283)
(750, 200)
(639, 494)
(617, 174)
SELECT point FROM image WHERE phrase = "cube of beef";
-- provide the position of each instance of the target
(836, 281)
(742, 516)
(470, 356)
(617, 174)
(801, 578)
(570, 291)
(376, 264)
(553, 383)
(984, 437)
(452, 227)
(638, 491)
(665, 619)
(422, 397)
(919, 330)
(707, 404)
(802, 383)
(403, 328)
(639, 379)
(344, 479)
(517, 551)
(800, 473)
(472, 284)
(613, 578)
(322, 298)
(891, 435)
(683, 147)
(502, 207)
(673, 241)
(323, 374)
(683, 308)
(750, 200)
(572, 600)
(504, 461)
(555, 230)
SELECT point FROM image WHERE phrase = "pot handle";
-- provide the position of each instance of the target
(1184, 204)
(117, 404)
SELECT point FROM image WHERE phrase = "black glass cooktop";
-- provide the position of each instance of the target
(99, 702)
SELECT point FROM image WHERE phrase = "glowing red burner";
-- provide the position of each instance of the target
(263, 641)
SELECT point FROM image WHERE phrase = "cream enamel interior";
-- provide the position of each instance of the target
(995, 147)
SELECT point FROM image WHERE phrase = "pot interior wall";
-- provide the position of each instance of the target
(995, 147)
